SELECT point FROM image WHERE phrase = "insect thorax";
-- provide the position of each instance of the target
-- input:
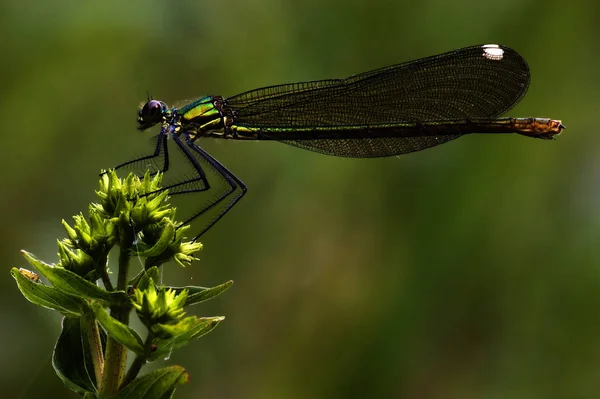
(202, 118)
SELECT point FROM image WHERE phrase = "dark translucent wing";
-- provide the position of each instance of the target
(474, 82)
(252, 96)
(371, 147)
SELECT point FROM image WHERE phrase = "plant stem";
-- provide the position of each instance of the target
(138, 362)
(93, 332)
(101, 267)
(115, 358)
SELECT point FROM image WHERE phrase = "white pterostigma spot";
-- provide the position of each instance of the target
(492, 52)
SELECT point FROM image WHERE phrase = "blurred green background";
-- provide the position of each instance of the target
(470, 270)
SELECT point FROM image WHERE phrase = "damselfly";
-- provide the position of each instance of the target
(389, 111)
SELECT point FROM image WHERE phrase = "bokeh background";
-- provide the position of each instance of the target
(470, 270)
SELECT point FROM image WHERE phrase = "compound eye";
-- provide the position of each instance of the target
(152, 111)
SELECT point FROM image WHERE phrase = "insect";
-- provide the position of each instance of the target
(30, 275)
(385, 112)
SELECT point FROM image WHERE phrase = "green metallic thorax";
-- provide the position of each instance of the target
(200, 118)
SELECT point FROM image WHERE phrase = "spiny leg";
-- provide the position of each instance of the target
(233, 182)
(161, 151)
(200, 183)
(200, 178)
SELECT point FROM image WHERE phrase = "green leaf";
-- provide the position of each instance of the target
(163, 242)
(72, 284)
(143, 278)
(82, 229)
(201, 294)
(160, 384)
(46, 296)
(181, 333)
(97, 225)
(72, 357)
(120, 332)
(70, 231)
